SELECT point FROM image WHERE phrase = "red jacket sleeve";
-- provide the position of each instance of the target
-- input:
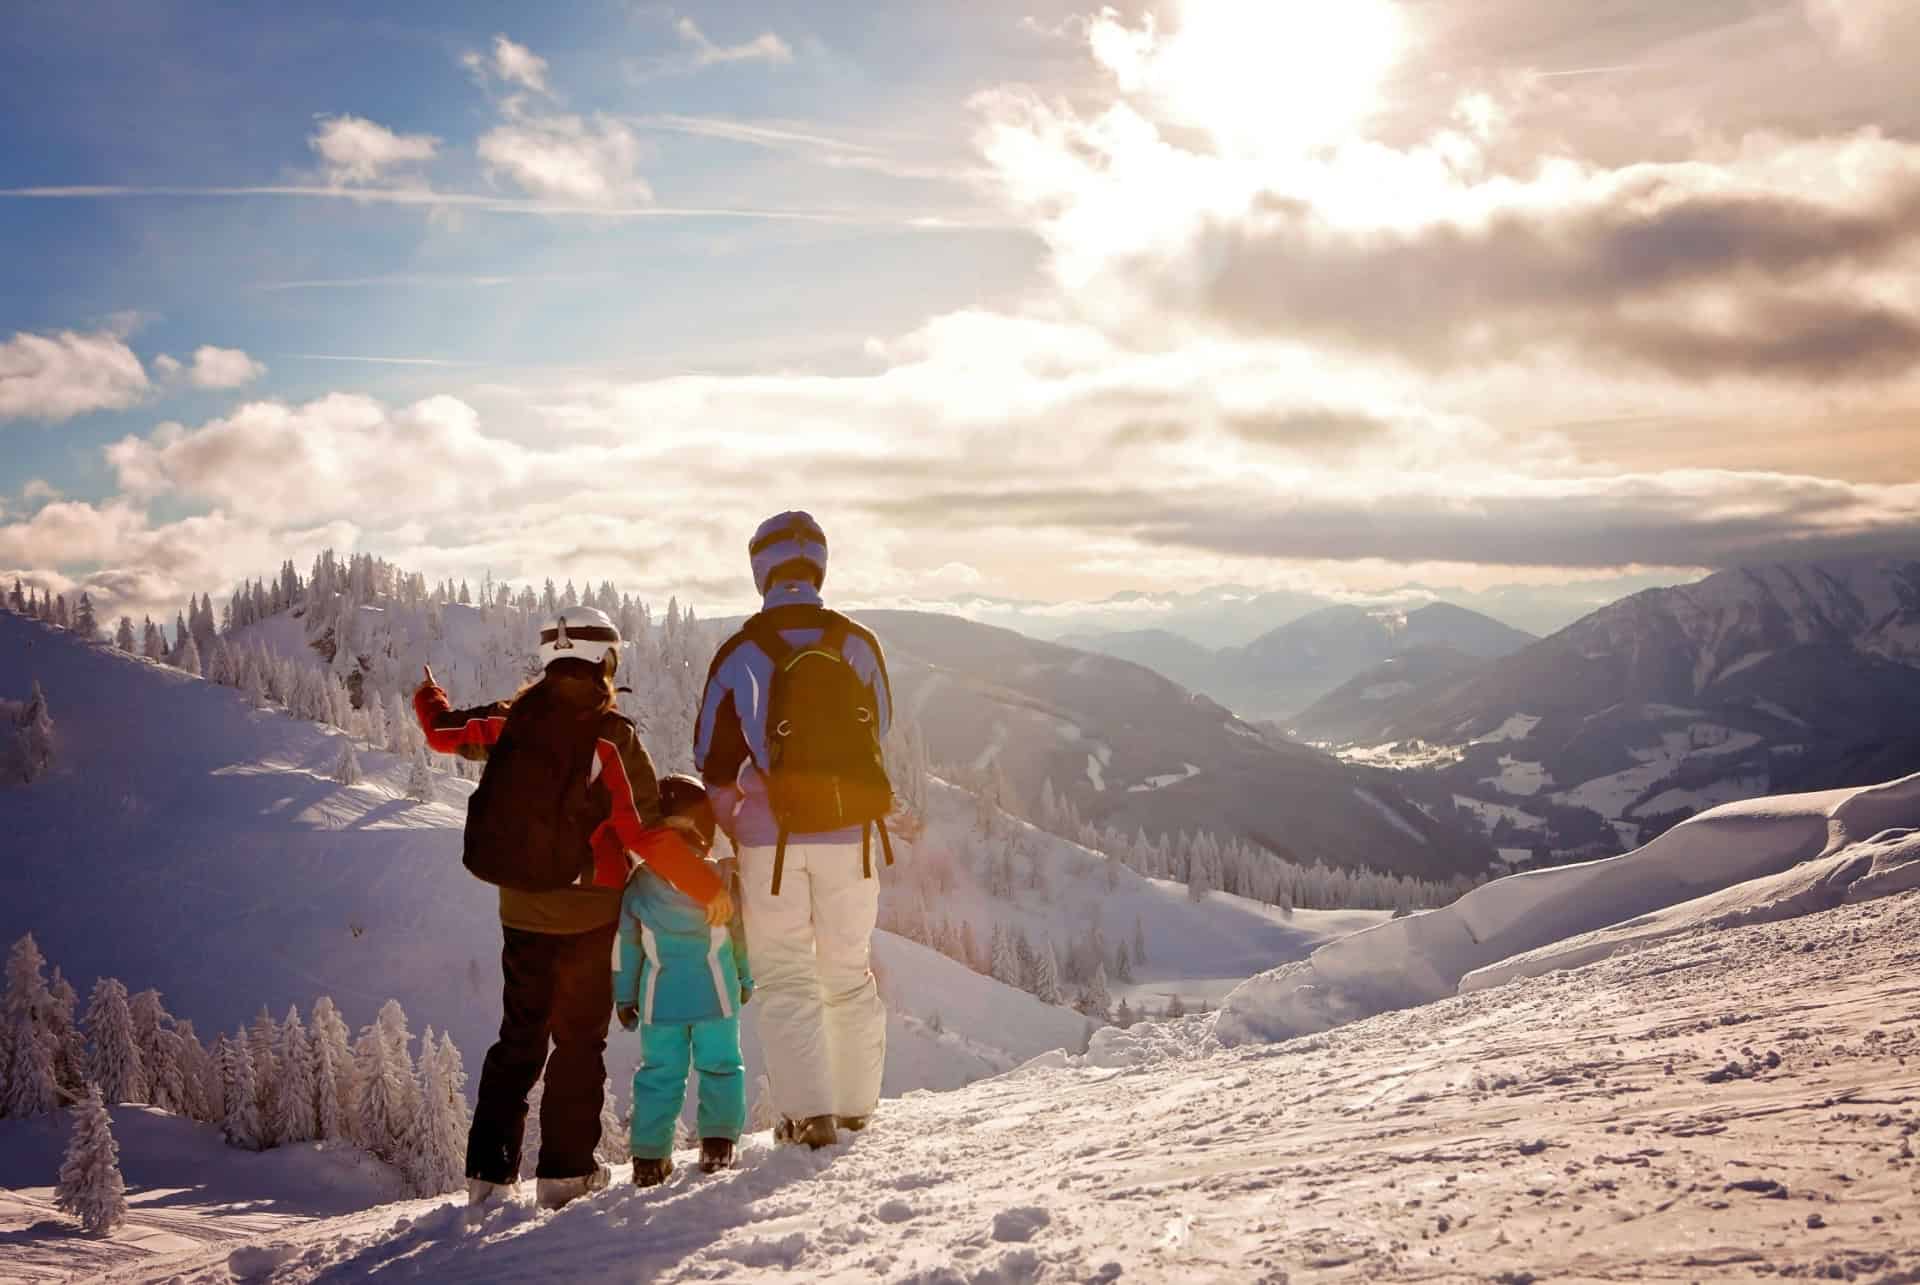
(635, 820)
(466, 732)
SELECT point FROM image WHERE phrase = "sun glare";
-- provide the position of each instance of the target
(1262, 75)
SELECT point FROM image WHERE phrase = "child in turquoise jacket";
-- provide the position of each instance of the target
(682, 984)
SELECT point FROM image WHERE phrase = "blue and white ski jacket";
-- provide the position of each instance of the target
(674, 967)
(734, 710)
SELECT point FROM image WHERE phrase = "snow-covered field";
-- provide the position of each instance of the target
(1699, 1060)
(1757, 848)
(1725, 1105)
(185, 1187)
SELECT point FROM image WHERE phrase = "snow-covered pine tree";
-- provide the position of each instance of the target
(91, 1188)
(294, 1105)
(193, 1074)
(187, 656)
(123, 634)
(378, 1087)
(159, 1052)
(34, 738)
(1098, 998)
(213, 1076)
(240, 1096)
(27, 996)
(1004, 964)
(31, 1087)
(1174, 1007)
(84, 622)
(453, 1072)
(1122, 964)
(1123, 1016)
(1046, 974)
(262, 1041)
(153, 645)
(332, 1072)
(346, 771)
(436, 1154)
(392, 1021)
(1139, 940)
(420, 778)
(376, 712)
(115, 1064)
(70, 1045)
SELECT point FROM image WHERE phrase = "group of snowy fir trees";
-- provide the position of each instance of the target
(369, 626)
(269, 1084)
(27, 600)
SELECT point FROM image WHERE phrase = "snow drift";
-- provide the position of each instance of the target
(1572, 915)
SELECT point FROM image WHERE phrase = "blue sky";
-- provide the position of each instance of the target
(1032, 299)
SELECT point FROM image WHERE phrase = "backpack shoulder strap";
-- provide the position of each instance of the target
(741, 636)
(854, 629)
(764, 632)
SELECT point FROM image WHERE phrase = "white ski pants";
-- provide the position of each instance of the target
(822, 1028)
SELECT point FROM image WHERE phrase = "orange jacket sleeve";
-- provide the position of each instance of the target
(635, 820)
(466, 732)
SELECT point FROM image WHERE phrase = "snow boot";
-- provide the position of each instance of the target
(651, 1173)
(853, 1123)
(553, 1193)
(481, 1193)
(716, 1154)
(816, 1131)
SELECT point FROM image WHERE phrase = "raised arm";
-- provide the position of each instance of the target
(635, 819)
(466, 732)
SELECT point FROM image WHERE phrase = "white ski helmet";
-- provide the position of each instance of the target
(579, 633)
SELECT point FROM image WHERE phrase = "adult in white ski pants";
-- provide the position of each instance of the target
(822, 1027)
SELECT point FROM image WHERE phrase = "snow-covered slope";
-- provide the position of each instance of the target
(1095, 726)
(1727, 1105)
(194, 844)
(186, 1189)
(191, 843)
(1558, 913)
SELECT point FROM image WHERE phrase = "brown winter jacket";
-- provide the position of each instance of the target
(633, 791)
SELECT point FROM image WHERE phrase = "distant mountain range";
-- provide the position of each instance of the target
(1225, 616)
(1133, 750)
(1785, 676)
(1288, 668)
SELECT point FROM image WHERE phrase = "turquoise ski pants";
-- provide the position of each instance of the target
(660, 1085)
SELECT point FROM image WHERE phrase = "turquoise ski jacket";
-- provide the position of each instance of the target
(673, 967)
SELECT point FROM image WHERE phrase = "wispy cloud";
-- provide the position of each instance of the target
(765, 47)
(426, 281)
(948, 220)
(513, 63)
(368, 359)
(1596, 71)
(812, 144)
(698, 51)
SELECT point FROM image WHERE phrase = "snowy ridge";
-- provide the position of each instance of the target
(1645, 1118)
(1425, 957)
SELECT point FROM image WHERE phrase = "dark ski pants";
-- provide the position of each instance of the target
(558, 987)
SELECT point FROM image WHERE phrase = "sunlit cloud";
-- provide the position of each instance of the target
(355, 150)
(58, 376)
